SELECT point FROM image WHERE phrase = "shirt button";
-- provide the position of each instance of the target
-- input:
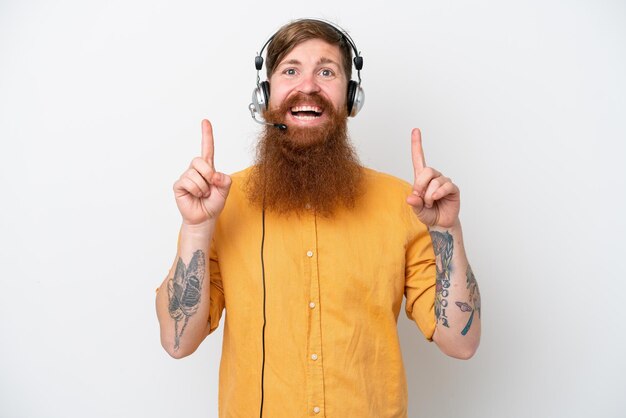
(316, 409)
(312, 305)
(309, 253)
(313, 356)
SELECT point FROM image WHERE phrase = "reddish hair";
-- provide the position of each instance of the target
(294, 33)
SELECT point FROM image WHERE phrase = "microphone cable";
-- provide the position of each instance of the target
(264, 317)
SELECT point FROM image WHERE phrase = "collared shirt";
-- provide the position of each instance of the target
(333, 292)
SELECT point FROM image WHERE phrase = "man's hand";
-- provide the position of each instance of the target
(435, 199)
(201, 191)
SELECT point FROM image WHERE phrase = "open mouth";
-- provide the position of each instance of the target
(306, 112)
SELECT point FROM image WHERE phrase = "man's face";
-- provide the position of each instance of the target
(311, 68)
(311, 164)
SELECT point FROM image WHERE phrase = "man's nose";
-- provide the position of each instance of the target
(309, 84)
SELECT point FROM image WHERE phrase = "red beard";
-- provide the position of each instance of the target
(302, 166)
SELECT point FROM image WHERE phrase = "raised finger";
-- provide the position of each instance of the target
(207, 142)
(417, 152)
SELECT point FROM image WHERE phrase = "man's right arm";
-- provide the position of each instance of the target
(182, 301)
(183, 298)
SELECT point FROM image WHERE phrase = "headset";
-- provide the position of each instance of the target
(261, 94)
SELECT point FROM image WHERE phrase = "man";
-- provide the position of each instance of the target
(310, 254)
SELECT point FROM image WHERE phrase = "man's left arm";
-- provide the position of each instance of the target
(436, 202)
(457, 298)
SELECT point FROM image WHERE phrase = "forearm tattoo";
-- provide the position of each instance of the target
(443, 246)
(474, 299)
(184, 292)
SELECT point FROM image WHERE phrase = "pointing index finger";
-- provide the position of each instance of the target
(207, 142)
(417, 152)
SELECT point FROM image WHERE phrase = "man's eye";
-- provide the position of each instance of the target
(326, 73)
(290, 71)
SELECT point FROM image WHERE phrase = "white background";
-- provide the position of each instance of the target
(522, 103)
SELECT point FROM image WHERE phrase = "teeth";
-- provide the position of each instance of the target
(306, 109)
(301, 117)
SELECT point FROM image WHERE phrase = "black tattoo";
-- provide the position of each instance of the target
(474, 299)
(464, 306)
(443, 246)
(184, 292)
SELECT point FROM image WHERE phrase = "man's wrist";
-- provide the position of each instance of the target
(455, 226)
(198, 230)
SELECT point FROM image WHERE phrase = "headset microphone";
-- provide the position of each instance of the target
(252, 109)
(280, 126)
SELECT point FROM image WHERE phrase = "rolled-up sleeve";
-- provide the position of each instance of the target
(216, 306)
(420, 278)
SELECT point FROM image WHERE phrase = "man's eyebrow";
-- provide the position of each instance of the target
(322, 60)
(325, 60)
(292, 61)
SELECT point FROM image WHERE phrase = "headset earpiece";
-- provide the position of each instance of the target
(265, 90)
(355, 99)
(261, 97)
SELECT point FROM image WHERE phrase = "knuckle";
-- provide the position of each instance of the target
(202, 167)
(197, 162)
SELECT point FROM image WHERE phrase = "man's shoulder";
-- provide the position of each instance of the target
(241, 174)
(383, 181)
(240, 178)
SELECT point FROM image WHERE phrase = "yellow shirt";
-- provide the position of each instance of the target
(334, 289)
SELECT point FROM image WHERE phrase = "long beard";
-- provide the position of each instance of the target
(302, 168)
